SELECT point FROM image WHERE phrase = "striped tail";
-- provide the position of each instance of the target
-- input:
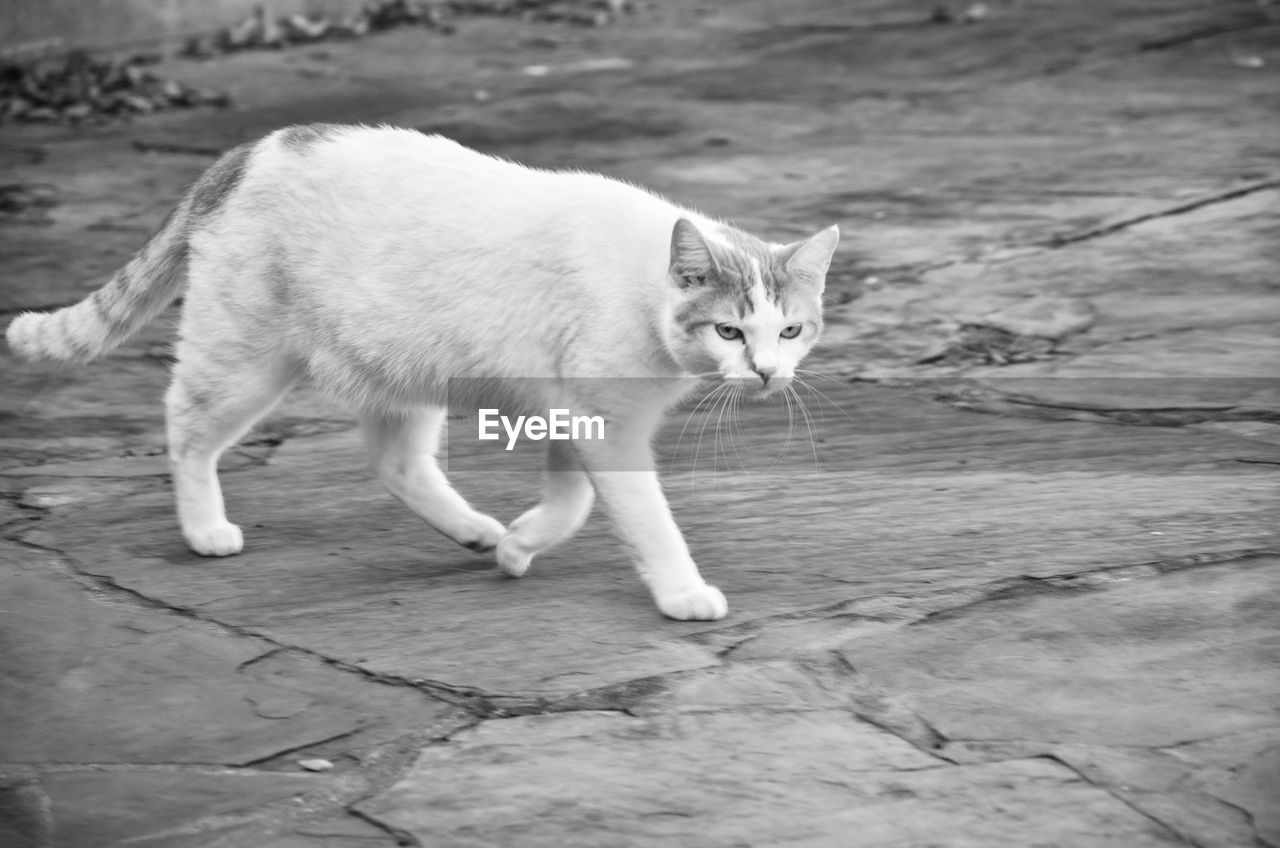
(139, 291)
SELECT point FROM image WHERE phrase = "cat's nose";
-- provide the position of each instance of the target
(765, 372)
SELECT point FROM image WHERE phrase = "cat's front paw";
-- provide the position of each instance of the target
(513, 558)
(218, 540)
(481, 535)
(701, 603)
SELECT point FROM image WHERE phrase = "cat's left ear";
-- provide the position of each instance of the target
(809, 259)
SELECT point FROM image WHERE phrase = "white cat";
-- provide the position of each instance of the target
(390, 266)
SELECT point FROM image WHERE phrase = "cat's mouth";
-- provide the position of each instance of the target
(757, 388)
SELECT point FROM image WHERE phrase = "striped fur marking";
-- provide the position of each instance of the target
(303, 137)
(220, 181)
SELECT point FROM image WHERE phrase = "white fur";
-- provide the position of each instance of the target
(383, 263)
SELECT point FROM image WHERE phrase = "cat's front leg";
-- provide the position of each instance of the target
(642, 518)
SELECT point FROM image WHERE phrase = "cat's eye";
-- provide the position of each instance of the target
(728, 331)
(790, 332)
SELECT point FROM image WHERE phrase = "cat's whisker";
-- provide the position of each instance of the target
(735, 428)
(711, 410)
(715, 439)
(791, 421)
(688, 418)
(729, 407)
(699, 380)
(819, 411)
(697, 448)
(823, 395)
(808, 422)
(725, 402)
(822, 376)
(805, 372)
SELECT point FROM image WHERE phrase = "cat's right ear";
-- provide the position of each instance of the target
(691, 259)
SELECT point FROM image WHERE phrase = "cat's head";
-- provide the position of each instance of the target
(742, 308)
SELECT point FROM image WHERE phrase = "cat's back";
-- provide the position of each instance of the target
(379, 152)
(346, 198)
(398, 170)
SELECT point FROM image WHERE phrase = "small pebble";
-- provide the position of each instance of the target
(315, 765)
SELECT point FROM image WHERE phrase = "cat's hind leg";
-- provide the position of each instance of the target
(403, 449)
(208, 408)
(566, 503)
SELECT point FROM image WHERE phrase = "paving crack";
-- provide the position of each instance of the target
(725, 640)
(58, 767)
(1012, 251)
(477, 702)
(1049, 743)
(616, 697)
(989, 400)
(1091, 580)
(474, 700)
(1202, 33)
(1248, 816)
(893, 718)
(259, 658)
(402, 837)
(1167, 829)
(1064, 239)
(311, 743)
(905, 609)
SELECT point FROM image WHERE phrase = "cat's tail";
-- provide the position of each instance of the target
(139, 291)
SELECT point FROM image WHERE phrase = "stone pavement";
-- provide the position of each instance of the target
(1019, 589)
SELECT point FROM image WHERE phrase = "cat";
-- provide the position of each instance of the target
(388, 265)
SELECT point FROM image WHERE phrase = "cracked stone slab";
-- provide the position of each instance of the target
(1124, 665)
(79, 673)
(1170, 306)
(156, 465)
(148, 808)
(1115, 680)
(1211, 806)
(1039, 124)
(351, 575)
(1250, 782)
(59, 414)
(281, 683)
(65, 492)
(1204, 803)
(341, 829)
(732, 778)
